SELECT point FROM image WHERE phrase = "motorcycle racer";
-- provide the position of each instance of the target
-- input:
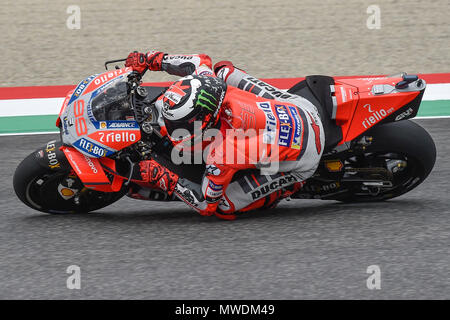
(289, 134)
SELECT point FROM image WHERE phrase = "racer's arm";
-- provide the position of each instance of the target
(183, 65)
(202, 198)
(205, 198)
(175, 64)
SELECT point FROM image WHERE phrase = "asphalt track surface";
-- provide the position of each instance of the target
(302, 249)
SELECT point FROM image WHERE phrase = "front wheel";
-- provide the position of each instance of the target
(57, 191)
(400, 157)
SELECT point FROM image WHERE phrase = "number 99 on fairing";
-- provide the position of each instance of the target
(80, 122)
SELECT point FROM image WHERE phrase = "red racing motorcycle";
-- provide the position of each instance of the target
(108, 124)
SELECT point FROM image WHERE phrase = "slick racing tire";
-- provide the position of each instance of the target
(404, 144)
(36, 185)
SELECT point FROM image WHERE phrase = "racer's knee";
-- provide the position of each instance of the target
(268, 202)
(254, 191)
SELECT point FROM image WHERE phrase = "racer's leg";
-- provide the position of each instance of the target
(248, 192)
(251, 191)
(255, 191)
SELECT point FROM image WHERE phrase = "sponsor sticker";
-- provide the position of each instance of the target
(105, 77)
(213, 191)
(297, 139)
(286, 127)
(168, 57)
(50, 149)
(215, 187)
(206, 73)
(273, 185)
(376, 115)
(268, 88)
(65, 192)
(91, 148)
(404, 114)
(270, 131)
(121, 125)
(91, 164)
(80, 88)
(114, 136)
(65, 124)
(116, 124)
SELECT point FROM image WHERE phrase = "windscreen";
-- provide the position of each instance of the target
(113, 102)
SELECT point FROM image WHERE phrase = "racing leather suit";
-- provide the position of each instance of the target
(290, 140)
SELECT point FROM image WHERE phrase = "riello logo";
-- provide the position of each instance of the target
(375, 116)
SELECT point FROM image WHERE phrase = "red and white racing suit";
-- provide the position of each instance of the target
(290, 140)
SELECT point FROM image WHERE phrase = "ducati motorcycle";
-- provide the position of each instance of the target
(108, 124)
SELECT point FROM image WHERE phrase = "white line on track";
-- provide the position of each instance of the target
(30, 107)
(27, 133)
(431, 117)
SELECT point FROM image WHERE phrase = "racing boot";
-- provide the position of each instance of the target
(140, 193)
(292, 189)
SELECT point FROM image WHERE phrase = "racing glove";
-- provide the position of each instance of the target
(139, 61)
(157, 176)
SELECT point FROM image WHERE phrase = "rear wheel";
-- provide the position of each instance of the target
(399, 158)
(57, 191)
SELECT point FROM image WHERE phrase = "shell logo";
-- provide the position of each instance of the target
(66, 192)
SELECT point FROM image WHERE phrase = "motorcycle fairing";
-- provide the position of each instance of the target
(362, 103)
(350, 107)
(91, 172)
(81, 129)
(64, 105)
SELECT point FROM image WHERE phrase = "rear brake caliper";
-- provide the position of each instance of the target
(396, 166)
